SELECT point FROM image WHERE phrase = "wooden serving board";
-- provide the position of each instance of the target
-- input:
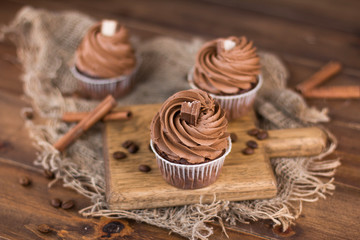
(242, 177)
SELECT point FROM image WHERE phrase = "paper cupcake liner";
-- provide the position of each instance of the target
(235, 106)
(98, 88)
(190, 176)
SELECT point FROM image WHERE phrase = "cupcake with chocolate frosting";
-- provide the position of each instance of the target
(105, 61)
(190, 140)
(229, 70)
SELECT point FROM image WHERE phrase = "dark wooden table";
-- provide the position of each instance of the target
(306, 34)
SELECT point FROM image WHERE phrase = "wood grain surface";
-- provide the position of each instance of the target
(305, 34)
(243, 177)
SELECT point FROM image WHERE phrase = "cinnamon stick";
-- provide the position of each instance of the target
(76, 117)
(319, 77)
(334, 92)
(95, 115)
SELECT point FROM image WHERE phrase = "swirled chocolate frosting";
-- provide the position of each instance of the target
(224, 71)
(179, 141)
(102, 56)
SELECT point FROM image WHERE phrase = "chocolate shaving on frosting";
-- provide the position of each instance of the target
(226, 72)
(176, 139)
(104, 56)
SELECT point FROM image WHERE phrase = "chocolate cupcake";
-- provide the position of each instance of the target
(229, 70)
(105, 61)
(189, 139)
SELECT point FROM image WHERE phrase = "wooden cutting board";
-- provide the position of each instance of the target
(242, 177)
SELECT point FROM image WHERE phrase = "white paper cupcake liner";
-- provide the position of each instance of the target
(235, 106)
(190, 176)
(98, 88)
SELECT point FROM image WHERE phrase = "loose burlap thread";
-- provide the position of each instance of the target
(46, 42)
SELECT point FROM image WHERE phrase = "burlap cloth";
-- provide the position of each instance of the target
(46, 42)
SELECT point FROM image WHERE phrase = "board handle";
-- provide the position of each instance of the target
(296, 142)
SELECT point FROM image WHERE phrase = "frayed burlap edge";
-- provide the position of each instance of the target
(298, 178)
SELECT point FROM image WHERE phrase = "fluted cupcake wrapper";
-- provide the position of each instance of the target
(190, 176)
(235, 106)
(98, 88)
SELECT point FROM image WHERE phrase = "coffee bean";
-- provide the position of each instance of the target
(252, 144)
(253, 132)
(119, 155)
(144, 168)
(248, 151)
(48, 174)
(29, 114)
(25, 181)
(67, 204)
(55, 202)
(44, 228)
(127, 144)
(133, 148)
(233, 137)
(262, 135)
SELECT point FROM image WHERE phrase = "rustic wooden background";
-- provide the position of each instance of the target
(306, 34)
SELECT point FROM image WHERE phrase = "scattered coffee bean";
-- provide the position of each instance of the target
(233, 137)
(29, 114)
(248, 151)
(25, 181)
(253, 132)
(44, 228)
(133, 148)
(67, 204)
(144, 168)
(56, 203)
(262, 135)
(48, 174)
(252, 144)
(127, 144)
(119, 155)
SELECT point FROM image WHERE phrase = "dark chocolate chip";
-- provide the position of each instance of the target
(127, 144)
(253, 132)
(119, 155)
(25, 181)
(55, 202)
(262, 135)
(48, 174)
(133, 148)
(233, 137)
(44, 228)
(67, 204)
(248, 151)
(252, 144)
(144, 168)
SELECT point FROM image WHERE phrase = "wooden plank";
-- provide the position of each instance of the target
(22, 209)
(267, 32)
(323, 13)
(335, 217)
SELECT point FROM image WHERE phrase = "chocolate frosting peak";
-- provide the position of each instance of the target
(175, 138)
(224, 71)
(103, 56)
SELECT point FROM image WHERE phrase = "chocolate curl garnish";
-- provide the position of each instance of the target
(190, 112)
